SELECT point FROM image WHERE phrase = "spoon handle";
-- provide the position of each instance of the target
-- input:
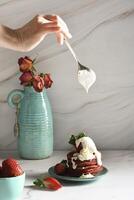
(71, 50)
(80, 66)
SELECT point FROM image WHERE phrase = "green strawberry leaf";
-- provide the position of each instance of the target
(64, 162)
(80, 135)
(38, 182)
(73, 138)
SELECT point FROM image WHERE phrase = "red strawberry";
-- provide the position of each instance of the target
(52, 183)
(49, 182)
(10, 168)
(60, 168)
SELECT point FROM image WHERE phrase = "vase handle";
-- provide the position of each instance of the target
(14, 98)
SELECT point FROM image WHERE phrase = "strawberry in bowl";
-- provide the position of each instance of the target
(12, 179)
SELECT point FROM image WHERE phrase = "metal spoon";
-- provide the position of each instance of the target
(86, 76)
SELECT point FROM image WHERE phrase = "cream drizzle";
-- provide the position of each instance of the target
(86, 176)
(89, 150)
(74, 157)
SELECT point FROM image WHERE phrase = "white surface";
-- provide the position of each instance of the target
(103, 38)
(117, 184)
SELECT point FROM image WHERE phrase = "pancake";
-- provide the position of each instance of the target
(77, 167)
(84, 161)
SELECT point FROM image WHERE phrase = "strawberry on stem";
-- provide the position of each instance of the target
(48, 182)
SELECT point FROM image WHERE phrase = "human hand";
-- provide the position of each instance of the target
(31, 34)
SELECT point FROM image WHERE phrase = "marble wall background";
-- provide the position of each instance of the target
(103, 37)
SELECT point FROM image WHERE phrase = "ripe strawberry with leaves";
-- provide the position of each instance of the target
(11, 168)
(48, 182)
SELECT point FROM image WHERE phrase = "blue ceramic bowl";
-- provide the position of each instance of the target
(12, 188)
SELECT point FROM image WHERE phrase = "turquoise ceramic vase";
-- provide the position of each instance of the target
(35, 124)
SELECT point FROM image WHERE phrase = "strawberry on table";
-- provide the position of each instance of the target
(11, 168)
(48, 182)
(52, 183)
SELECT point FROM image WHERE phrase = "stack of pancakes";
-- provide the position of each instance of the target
(77, 167)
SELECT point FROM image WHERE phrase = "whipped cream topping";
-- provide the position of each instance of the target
(74, 157)
(89, 150)
(86, 78)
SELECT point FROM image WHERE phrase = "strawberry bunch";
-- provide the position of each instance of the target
(10, 168)
(48, 182)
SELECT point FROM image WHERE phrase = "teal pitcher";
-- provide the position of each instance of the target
(34, 122)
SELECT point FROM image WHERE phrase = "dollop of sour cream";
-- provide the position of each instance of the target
(86, 78)
(89, 150)
(87, 176)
